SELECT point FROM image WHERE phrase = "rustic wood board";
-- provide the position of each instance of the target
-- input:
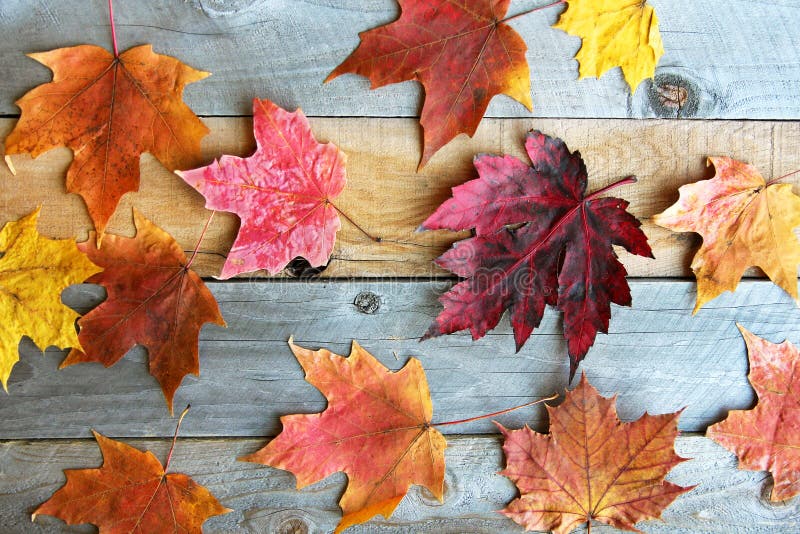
(657, 358)
(733, 59)
(265, 500)
(388, 198)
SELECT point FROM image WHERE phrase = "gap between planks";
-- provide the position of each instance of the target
(390, 200)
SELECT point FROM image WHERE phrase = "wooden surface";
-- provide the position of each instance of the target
(264, 500)
(733, 59)
(657, 358)
(724, 60)
(386, 197)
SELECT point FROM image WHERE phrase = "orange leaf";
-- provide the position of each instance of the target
(591, 466)
(767, 438)
(109, 111)
(154, 300)
(131, 492)
(461, 52)
(376, 429)
(744, 222)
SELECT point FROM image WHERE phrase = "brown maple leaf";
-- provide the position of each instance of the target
(463, 53)
(744, 221)
(132, 492)
(767, 438)
(109, 110)
(591, 466)
(377, 429)
(154, 300)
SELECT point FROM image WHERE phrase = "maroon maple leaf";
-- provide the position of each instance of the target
(562, 255)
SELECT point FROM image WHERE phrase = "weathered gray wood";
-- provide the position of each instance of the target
(264, 499)
(734, 59)
(658, 358)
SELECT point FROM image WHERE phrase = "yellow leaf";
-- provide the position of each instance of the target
(34, 270)
(615, 33)
(745, 222)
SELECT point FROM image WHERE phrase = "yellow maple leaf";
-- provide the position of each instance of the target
(34, 270)
(615, 33)
(744, 221)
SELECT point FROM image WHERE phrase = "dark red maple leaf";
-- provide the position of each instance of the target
(562, 255)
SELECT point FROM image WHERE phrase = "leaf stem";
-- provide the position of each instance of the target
(495, 414)
(779, 178)
(202, 235)
(113, 27)
(175, 437)
(534, 10)
(358, 227)
(606, 189)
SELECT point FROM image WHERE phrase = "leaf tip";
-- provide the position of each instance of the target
(10, 165)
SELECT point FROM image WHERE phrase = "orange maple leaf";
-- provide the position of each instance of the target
(154, 300)
(591, 466)
(744, 222)
(109, 110)
(131, 492)
(463, 53)
(377, 429)
(767, 438)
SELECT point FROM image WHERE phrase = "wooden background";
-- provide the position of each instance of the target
(728, 85)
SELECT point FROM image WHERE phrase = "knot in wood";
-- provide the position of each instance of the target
(672, 96)
(292, 525)
(367, 302)
(224, 8)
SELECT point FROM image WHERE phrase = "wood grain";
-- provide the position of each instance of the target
(390, 200)
(730, 59)
(657, 357)
(265, 500)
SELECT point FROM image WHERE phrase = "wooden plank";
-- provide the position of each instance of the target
(265, 500)
(733, 60)
(386, 197)
(657, 358)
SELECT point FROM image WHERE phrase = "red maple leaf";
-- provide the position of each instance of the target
(282, 193)
(463, 53)
(154, 300)
(767, 438)
(562, 255)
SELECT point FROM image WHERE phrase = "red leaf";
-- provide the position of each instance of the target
(154, 300)
(767, 438)
(563, 256)
(376, 428)
(282, 193)
(461, 52)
